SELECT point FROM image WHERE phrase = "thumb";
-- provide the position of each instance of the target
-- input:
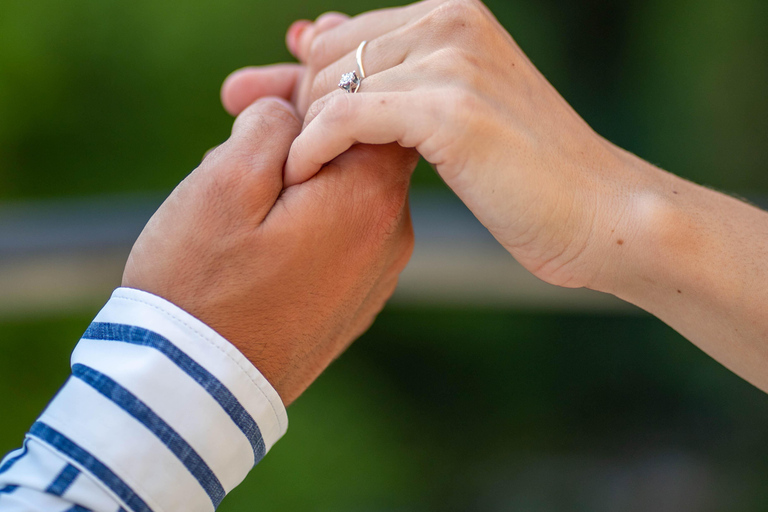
(250, 163)
(263, 133)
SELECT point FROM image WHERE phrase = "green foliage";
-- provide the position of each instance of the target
(104, 96)
(33, 366)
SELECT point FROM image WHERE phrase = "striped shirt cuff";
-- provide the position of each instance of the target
(161, 410)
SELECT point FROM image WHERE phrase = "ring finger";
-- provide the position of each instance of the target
(319, 50)
(383, 53)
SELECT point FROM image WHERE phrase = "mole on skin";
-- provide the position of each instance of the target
(620, 241)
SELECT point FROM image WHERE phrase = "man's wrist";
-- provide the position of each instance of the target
(207, 348)
(161, 410)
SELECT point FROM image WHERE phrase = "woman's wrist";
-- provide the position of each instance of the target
(695, 258)
(641, 229)
(671, 243)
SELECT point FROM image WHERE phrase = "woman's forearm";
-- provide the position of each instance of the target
(696, 258)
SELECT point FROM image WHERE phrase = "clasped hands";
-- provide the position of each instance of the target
(289, 237)
(445, 78)
(292, 267)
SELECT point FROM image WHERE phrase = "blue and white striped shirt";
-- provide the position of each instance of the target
(160, 414)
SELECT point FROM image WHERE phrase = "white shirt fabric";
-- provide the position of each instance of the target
(160, 414)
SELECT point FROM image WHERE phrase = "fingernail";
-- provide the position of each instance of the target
(294, 33)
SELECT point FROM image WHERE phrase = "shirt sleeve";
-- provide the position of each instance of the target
(160, 414)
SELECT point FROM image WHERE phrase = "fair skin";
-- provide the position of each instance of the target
(444, 77)
(290, 277)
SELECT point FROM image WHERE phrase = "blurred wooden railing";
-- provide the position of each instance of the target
(65, 256)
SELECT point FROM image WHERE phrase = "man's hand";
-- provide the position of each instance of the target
(289, 277)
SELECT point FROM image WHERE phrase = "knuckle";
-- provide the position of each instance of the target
(336, 108)
(456, 16)
(315, 109)
(472, 10)
(267, 123)
(455, 110)
(258, 117)
(469, 69)
(324, 18)
(247, 136)
(328, 21)
(318, 50)
(271, 109)
(461, 69)
(322, 83)
(443, 62)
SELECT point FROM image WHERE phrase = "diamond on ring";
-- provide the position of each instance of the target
(349, 82)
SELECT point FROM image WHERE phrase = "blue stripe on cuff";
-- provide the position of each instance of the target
(13, 460)
(62, 482)
(8, 489)
(78, 508)
(164, 432)
(219, 392)
(69, 448)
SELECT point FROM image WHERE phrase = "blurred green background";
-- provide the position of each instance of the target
(433, 409)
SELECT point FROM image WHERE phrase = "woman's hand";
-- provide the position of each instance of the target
(444, 77)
